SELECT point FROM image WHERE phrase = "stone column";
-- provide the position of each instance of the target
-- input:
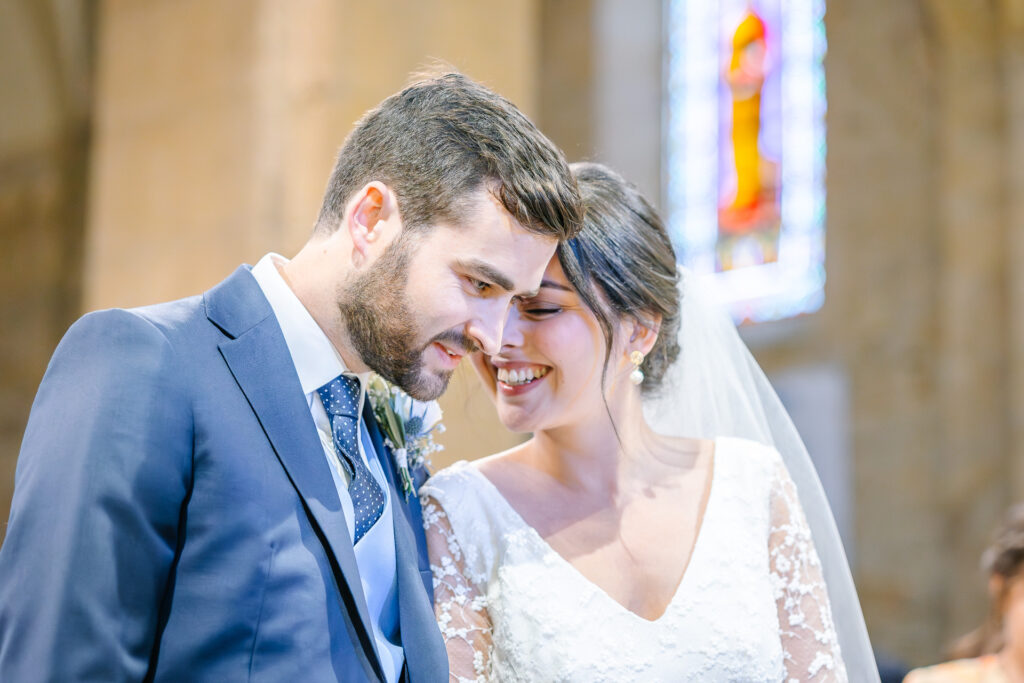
(1012, 34)
(45, 106)
(974, 322)
(880, 307)
(627, 98)
(601, 85)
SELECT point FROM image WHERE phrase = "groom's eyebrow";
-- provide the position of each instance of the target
(485, 271)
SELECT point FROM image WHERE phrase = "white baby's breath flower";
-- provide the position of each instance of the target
(401, 457)
(431, 412)
(408, 428)
(402, 402)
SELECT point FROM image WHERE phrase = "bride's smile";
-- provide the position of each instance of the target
(511, 378)
(515, 378)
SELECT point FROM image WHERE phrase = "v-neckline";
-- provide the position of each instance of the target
(550, 550)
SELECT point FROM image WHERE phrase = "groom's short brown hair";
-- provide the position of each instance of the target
(441, 139)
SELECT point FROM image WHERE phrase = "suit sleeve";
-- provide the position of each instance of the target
(100, 488)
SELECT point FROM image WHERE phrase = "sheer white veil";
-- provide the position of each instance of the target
(716, 388)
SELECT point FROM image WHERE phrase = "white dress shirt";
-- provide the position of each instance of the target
(317, 362)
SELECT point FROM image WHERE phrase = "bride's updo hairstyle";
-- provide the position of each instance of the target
(622, 264)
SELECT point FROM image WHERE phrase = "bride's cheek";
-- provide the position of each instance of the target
(485, 371)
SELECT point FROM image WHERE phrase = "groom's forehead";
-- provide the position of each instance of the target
(488, 243)
(484, 226)
(482, 207)
(509, 258)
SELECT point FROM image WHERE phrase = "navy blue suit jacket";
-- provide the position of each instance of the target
(174, 518)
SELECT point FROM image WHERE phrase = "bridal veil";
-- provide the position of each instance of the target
(716, 388)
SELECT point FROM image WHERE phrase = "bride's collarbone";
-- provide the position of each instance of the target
(533, 485)
(556, 511)
(635, 548)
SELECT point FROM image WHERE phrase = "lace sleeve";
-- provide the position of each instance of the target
(809, 642)
(460, 607)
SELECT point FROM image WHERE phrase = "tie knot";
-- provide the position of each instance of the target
(341, 396)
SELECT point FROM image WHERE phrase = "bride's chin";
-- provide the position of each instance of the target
(515, 420)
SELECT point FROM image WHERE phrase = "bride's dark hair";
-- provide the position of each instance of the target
(622, 264)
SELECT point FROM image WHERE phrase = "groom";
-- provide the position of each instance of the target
(202, 492)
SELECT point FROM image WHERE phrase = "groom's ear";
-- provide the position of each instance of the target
(369, 218)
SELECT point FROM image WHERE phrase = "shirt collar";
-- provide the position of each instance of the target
(316, 360)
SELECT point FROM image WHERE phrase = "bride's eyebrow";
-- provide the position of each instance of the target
(555, 285)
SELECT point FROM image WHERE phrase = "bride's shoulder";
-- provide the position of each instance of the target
(737, 447)
(496, 466)
(464, 475)
(454, 492)
(749, 459)
(477, 483)
(452, 478)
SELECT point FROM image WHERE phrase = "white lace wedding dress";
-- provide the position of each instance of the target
(751, 605)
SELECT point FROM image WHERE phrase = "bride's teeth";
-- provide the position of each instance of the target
(521, 375)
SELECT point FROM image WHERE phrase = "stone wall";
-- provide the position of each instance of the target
(45, 57)
(920, 306)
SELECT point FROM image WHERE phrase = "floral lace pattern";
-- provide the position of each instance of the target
(461, 608)
(751, 606)
(809, 642)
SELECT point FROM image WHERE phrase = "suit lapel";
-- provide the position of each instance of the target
(259, 361)
(424, 649)
(406, 517)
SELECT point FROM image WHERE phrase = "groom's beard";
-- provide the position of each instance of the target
(383, 329)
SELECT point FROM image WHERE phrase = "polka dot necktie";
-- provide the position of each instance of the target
(341, 401)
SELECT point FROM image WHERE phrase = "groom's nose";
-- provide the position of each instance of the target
(486, 326)
(512, 333)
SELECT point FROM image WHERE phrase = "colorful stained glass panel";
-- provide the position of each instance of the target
(745, 177)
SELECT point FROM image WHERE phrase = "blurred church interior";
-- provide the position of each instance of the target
(149, 147)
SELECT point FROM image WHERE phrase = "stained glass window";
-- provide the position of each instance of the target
(745, 138)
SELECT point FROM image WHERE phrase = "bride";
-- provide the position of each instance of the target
(635, 536)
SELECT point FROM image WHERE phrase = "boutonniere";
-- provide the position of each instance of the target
(408, 425)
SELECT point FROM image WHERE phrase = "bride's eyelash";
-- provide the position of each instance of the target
(541, 312)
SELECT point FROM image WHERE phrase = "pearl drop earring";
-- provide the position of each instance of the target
(637, 376)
